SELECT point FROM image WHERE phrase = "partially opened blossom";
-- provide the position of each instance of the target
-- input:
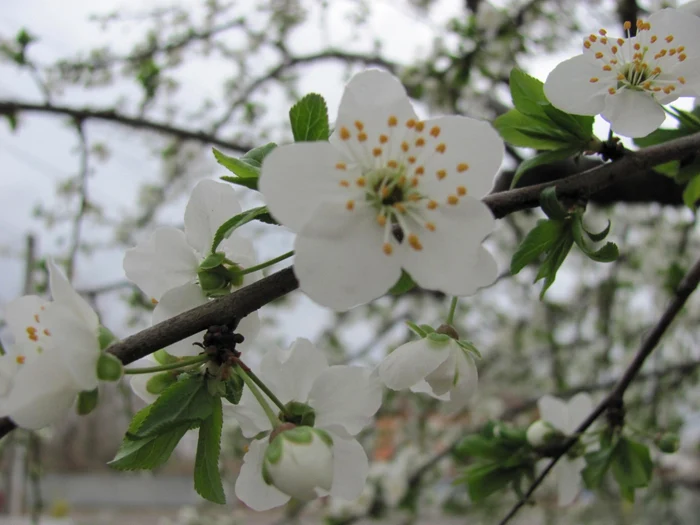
(436, 365)
(388, 192)
(166, 266)
(54, 355)
(343, 400)
(627, 80)
(566, 417)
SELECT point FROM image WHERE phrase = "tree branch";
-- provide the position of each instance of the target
(12, 107)
(614, 398)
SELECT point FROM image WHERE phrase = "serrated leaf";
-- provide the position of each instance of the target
(239, 167)
(597, 237)
(528, 132)
(483, 480)
(555, 258)
(546, 157)
(631, 464)
(251, 182)
(256, 156)
(185, 401)
(309, 119)
(527, 93)
(149, 452)
(540, 239)
(207, 478)
(579, 126)
(597, 465)
(691, 193)
(403, 285)
(256, 214)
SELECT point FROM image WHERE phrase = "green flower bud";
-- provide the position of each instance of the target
(87, 401)
(212, 261)
(212, 281)
(109, 368)
(301, 414)
(106, 337)
(668, 443)
(542, 434)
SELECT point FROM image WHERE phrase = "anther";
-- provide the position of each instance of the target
(441, 174)
(387, 248)
(627, 25)
(599, 55)
(341, 166)
(681, 57)
(611, 90)
(362, 136)
(404, 146)
(681, 80)
(393, 121)
(420, 125)
(393, 164)
(414, 183)
(592, 38)
(461, 190)
(462, 167)
(420, 141)
(420, 170)
(350, 205)
(344, 133)
(411, 159)
(383, 139)
(20, 359)
(653, 39)
(435, 131)
(399, 207)
(593, 80)
(669, 39)
(432, 205)
(602, 32)
(452, 199)
(607, 68)
(376, 152)
(360, 182)
(587, 44)
(440, 148)
(430, 226)
(620, 42)
(410, 123)
(46, 332)
(381, 220)
(359, 125)
(344, 183)
(414, 242)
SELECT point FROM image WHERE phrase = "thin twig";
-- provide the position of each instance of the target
(614, 398)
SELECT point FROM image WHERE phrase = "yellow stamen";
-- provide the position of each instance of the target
(376, 152)
(653, 39)
(31, 333)
(440, 148)
(420, 125)
(414, 183)
(414, 242)
(387, 248)
(681, 80)
(599, 55)
(593, 80)
(669, 39)
(381, 220)
(435, 131)
(341, 166)
(452, 199)
(393, 164)
(404, 146)
(362, 136)
(612, 90)
(383, 139)
(430, 226)
(592, 38)
(360, 182)
(344, 183)
(461, 190)
(462, 167)
(410, 123)
(344, 133)
(682, 57)
(587, 44)
(46, 332)
(607, 68)
(393, 121)
(602, 32)
(359, 125)
(620, 42)
(20, 359)
(420, 141)
(400, 207)
(411, 159)
(350, 205)
(627, 25)
(441, 174)
(432, 205)
(420, 170)
(613, 49)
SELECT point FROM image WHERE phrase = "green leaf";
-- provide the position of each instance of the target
(485, 479)
(660, 136)
(212, 261)
(256, 214)
(551, 206)
(239, 167)
(631, 464)
(579, 126)
(146, 453)
(256, 156)
(686, 119)
(597, 465)
(186, 401)
(403, 285)
(546, 157)
(87, 401)
(309, 119)
(109, 367)
(234, 389)
(105, 337)
(607, 253)
(207, 478)
(476, 446)
(540, 239)
(251, 182)
(11, 117)
(554, 260)
(528, 132)
(417, 329)
(597, 237)
(691, 193)
(149, 452)
(527, 93)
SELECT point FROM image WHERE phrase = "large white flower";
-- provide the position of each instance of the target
(566, 417)
(54, 355)
(435, 365)
(385, 175)
(626, 80)
(344, 399)
(166, 265)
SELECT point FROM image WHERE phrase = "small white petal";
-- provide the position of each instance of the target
(467, 382)
(411, 362)
(633, 113)
(238, 249)
(568, 475)
(139, 382)
(347, 269)
(251, 489)
(350, 467)
(467, 141)
(347, 396)
(249, 414)
(580, 407)
(162, 262)
(177, 301)
(63, 293)
(452, 259)
(442, 379)
(555, 411)
(211, 204)
(296, 177)
(20, 314)
(569, 87)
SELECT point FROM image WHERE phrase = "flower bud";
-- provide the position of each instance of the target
(299, 462)
(541, 433)
(668, 443)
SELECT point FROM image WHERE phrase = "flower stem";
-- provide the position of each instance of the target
(172, 366)
(268, 263)
(262, 386)
(453, 308)
(247, 379)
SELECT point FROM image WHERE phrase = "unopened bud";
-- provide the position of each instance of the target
(668, 443)
(448, 330)
(541, 433)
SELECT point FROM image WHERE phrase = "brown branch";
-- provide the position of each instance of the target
(12, 107)
(614, 398)
(253, 297)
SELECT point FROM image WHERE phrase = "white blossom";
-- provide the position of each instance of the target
(54, 355)
(166, 265)
(436, 365)
(627, 80)
(566, 417)
(343, 398)
(386, 175)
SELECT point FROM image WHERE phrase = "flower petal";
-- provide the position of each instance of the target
(452, 259)
(42, 392)
(569, 87)
(238, 249)
(467, 142)
(177, 301)
(350, 467)
(62, 292)
(347, 396)
(442, 379)
(162, 262)
(249, 414)
(339, 259)
(568, 475)
(22, 314)
(633, 113)
(579, 407)
(294, 371)
(555, 411)
(467, 382)
(138, 381)
(251, 489)
(211, 204)
(296, 177)
(412, 362)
